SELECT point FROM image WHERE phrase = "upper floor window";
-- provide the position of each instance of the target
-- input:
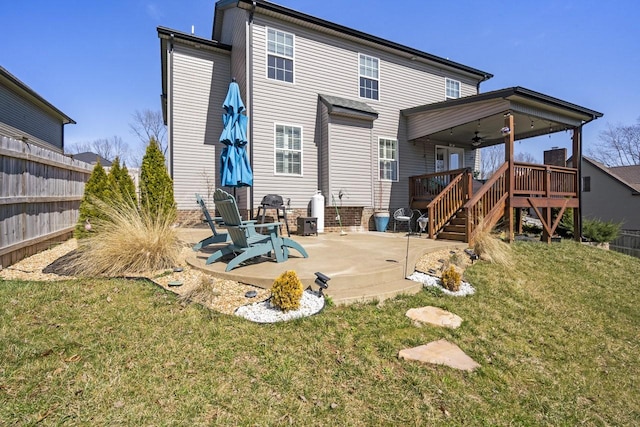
(452, 89)
(369, 76)
(586, 183)
(388, 159)
(288, 150)
(279, 55)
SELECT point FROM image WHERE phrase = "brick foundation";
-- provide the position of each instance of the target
(354, 219)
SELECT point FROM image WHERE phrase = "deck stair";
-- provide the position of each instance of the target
(455, 228)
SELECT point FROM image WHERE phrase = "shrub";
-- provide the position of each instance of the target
(156, 187)
(286, 291)
(600, 231)
(96, 189)
(451, 279)
(565, 226)
(128, 241)
(121, 186)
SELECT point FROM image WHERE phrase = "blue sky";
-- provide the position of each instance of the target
(99, 61)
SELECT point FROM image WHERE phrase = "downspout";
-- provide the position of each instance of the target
(170, 104)
(578, 164)
(249, 74)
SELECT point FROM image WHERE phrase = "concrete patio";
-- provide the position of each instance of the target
(362, 266)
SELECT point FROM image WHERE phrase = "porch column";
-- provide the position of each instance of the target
(509, 140)
(577, 163)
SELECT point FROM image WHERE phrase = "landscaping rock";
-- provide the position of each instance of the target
(435, 316)
(440, 352)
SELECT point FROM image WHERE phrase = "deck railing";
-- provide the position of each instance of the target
(449, 200)
(487, 204)
(423, 188)
(545, 180)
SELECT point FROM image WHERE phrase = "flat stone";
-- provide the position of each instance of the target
(440, 352)
(435, 316)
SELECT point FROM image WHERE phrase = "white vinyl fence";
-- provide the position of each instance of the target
(40, 194)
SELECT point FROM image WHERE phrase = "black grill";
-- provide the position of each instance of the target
(272, 201)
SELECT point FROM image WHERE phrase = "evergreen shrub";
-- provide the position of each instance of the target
(286, 291)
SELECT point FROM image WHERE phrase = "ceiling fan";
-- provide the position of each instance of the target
(476, 140)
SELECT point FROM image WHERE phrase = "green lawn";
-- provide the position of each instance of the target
(557, 339)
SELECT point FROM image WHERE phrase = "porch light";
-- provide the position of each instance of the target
(505, 131)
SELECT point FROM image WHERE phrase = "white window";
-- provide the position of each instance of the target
(288, 150)
(388, 159)
(452, 89)
(369, 77)
(279, 55)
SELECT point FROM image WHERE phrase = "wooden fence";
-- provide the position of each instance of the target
(40, 194)
(628, 243)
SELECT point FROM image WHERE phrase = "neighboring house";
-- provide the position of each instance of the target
(26, 116)
(611, 194)
(91, 158)
(334, 109)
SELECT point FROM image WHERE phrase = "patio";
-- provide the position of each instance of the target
(362, 266)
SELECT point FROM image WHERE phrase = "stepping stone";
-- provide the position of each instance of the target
(435, 316)
(440, 352)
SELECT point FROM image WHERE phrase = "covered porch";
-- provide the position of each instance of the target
(455, 208)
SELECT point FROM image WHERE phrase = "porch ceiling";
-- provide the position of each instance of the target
(456, 121)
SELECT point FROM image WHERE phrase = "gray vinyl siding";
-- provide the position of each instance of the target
(329, 65)
(349, 161)
(609, 200)
(198, 82)
(234, 34)
(21, 114)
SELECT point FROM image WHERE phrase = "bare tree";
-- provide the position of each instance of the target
(491, 159)
(620, 145)
(524, 157)
(149, 124)
(109, 148)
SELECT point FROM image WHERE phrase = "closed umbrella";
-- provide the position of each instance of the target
(235, 170)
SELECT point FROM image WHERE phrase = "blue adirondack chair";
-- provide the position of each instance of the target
(215, 237)
(245, 241)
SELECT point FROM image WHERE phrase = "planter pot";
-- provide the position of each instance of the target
(381, 220)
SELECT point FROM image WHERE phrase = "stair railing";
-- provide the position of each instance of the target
(488, 203)
(449, 200)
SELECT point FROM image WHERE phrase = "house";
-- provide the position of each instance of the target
(348, 113)
(27, 116)
(611, 193)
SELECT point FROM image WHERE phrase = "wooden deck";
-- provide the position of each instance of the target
(455, 210)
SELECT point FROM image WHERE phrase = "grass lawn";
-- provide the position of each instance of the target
(557, 338)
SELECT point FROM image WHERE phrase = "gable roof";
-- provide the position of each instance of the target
(91, 158)
(629, 176)
(13, 83)
(291, 15)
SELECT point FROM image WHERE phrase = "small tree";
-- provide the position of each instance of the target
(121, 186)
(156, 187)
(97, 188)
